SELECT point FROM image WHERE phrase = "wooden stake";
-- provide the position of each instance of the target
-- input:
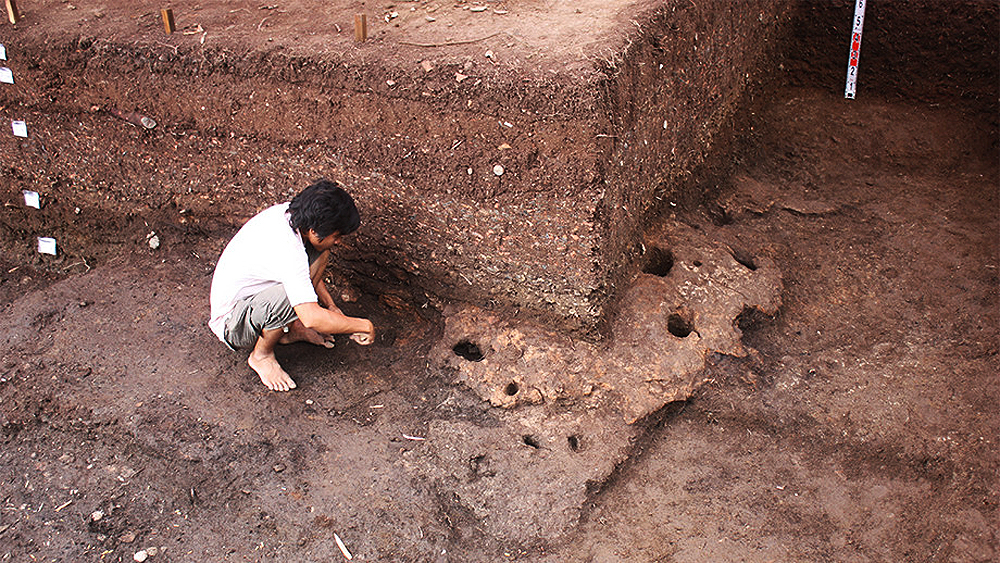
(360, 27)
(168, 20)
(12, 13)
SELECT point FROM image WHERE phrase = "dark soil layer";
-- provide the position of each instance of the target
(933, 52)
(862, 429)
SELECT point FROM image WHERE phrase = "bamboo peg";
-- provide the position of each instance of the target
(360, 27)
(168, 20)
(12, 13)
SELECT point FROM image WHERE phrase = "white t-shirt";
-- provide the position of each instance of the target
(265, 252)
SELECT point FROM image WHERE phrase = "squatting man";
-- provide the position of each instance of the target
(268, 286)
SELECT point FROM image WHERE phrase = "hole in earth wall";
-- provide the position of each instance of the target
(469, 351)
(744, 258)
(659, 262)
(574, 442)
(679, 326)
(511, 389)
(530, 441)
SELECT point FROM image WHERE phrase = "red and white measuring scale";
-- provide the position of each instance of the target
(852, 62)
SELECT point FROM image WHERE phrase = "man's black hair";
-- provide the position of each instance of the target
(324, 207)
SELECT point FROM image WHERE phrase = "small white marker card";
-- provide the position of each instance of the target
(3, 52)
(20, 128)
(31, 199)
(6, 75)
(47, 245)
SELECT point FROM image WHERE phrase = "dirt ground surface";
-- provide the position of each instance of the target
(860, 425)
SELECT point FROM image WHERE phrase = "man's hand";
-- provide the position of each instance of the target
(365, 338)
(362, 338)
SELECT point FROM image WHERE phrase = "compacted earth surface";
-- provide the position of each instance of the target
(867, 428)
(858, 423)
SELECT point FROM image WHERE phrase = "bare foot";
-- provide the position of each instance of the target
(298, 332)
(270, 372)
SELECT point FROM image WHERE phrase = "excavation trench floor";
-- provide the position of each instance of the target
(868, 432)
(863, 429)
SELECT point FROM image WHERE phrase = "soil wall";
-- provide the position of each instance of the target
(920, 50)
(586, 156)
(670, 99)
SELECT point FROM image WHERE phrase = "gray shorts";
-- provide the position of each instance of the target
(252, 315)
(266, 310)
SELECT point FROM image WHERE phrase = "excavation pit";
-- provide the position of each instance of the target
(590, 149)
(253, 102)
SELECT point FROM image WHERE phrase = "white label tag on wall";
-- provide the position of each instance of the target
(6, 75)
(3, 52)
(31, 199)
(20, 128)
(47, 245)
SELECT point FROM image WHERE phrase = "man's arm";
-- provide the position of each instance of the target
(325, 299)
(327, 321)
(316, 271)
